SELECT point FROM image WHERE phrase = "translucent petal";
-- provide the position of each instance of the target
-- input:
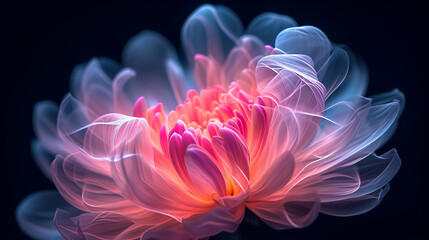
(392, 96)
(45, 125)
(36, 212)
(291, 81)
(42, 157)
(334, 70)
(105, 225)
(212, 31)
(214, 221)
(151, 56)
(72, 117)
(376, 171)
(289, 214)
(267, 26)
(241, 56)
(108, 66)
(355, 206)
(354, 84)
(306, 40)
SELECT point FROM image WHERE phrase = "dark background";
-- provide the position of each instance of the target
(44, 41)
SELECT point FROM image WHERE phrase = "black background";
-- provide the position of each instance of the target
(44, 41)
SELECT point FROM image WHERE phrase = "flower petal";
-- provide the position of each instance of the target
(297, 213)
(267, 26)
(306, 40)
(45, 125)
(42, 157)
(107, 68)
(203, 171)
(72, 117)
(241, 56)
(36, 212)
(291, 81)
(334, 70)
(97, 226)
(355, 82)
(355, 206)
(214, 221)
(211, 31)
(151, 55)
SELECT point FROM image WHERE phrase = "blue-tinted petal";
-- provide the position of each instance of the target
(36, 212)
(42, 157)
(211, 31)
(307, 40)
(149, 53)
(355, 82)
(267, 26)
(376, 171)
(45, 126)
(355, 206)
(334, 70)
(102, 71)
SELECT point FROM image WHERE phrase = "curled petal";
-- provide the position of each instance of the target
(106, 69)
(151, 56)
(267, 26)
(241, 56)
(72, 117)
(334, 70)
(215, 221)
(204, 172)
(355, 206)
(291, 81)
(36, 212)
(355, 83)
(45, 125)
(42, 157)
(288, 214)
(211, 31)
(306, 40)
(97, 226)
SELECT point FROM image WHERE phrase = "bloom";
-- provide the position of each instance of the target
(278, 126)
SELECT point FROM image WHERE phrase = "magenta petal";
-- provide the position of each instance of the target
(204, 172)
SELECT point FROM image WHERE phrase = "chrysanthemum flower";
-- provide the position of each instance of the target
(270, 118)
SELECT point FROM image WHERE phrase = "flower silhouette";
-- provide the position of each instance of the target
(269, 119)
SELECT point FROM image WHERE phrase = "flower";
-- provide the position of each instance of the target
(278, 126)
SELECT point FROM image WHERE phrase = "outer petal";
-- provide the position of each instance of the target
(36, 212)
(45, 125)
(215, 221)
(107, 68)
(72, 117)
(334, 70)
(307, 40)
(211, 31)
(267, 26)
(354, 84)
(152, 57)
(291, 81)
(97, 226)
(42, 157)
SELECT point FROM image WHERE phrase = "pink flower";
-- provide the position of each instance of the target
(282, 131)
